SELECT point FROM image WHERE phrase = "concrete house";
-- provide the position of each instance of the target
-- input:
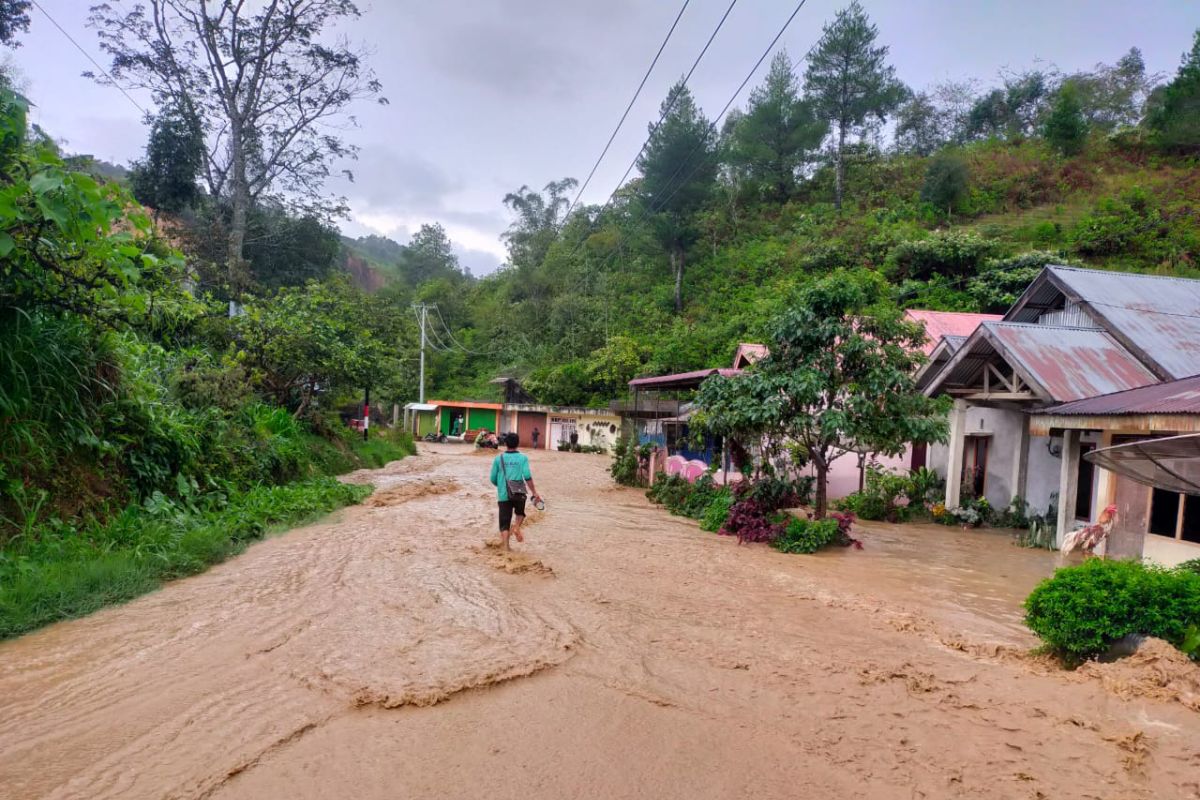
(1075, 334)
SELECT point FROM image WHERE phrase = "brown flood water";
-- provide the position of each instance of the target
(620, 653)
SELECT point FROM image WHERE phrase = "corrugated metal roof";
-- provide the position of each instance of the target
(1070, 363)
(747, 353)
(1059, 363)
(681, 380)
(946, 323)
(1172, 397)
(954, 343)
(1156, 318)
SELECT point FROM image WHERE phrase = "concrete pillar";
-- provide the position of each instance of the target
(1020, 463)
(954, 462)
(1068, 484)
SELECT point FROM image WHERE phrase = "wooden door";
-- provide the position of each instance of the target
(527, 421)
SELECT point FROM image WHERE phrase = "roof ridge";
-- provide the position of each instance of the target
(1045, 327)
(1066, 268)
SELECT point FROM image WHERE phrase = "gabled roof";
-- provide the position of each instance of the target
(747, 354)
(941, 353)
(1174, 397)
(681, 380)
(946, 323)
(1155, 318)
(1059, 363)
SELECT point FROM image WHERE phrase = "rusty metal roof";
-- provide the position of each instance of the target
(1060, 363)
(1172, 397)
(946, 323)
(1155, 318)
(681, 380)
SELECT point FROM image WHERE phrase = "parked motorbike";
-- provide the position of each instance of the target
(435, 437)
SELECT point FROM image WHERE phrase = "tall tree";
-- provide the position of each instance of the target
(839, 378)
(920, 128)
(429, 256)
(1113, 95)
(679, 170)
(1015, 110)
(771, 142)
(263, 82)
(850, 82)
(1066, 128)
(14, 19)
(1175, 117)
(165, 179)
(539, 215)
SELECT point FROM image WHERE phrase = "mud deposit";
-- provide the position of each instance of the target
(617, 653)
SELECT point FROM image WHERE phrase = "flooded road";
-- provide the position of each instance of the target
(620, 653)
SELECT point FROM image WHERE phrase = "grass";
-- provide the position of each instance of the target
(54, 576)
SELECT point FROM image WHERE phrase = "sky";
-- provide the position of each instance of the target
(489, 95)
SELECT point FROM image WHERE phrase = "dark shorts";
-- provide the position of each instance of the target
(508, 508)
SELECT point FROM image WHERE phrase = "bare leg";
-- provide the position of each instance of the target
(504, 534)
(517, 528)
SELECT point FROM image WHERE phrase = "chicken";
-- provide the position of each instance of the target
(1090, 536)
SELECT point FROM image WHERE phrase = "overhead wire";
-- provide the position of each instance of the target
(659, 204)
(88, 56)
(637, 93)
(670, 105)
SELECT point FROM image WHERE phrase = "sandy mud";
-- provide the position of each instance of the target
(619, 653)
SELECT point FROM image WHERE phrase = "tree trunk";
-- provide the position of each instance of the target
(840, 166)
(239, 211)
(677, 263)
(821, 500)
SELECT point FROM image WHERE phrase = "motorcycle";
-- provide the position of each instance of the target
(435, 437)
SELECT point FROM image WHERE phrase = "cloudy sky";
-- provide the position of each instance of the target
(487, 95)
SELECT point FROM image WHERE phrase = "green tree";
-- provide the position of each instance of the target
(14, 19)
(313, 340)
(947, 179)
(612, 366)
(1066, 128)
(771, 142)
(839, 377)
(1175, 118)
(66, 242)
(849, 82)
(920, 127)
(429, 255)
(539, 215)
(1013, 111)
(265, 81)
(679, 170)
(165, 180)
(1112, 96)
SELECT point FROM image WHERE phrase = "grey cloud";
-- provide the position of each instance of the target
(386, 179)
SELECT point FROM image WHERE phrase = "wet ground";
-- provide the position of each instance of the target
(619, 653)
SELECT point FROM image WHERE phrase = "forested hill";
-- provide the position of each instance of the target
(958, 200)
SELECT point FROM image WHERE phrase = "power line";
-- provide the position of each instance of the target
(88, 56)
(621, 122)
(657, 205)
(670, 105)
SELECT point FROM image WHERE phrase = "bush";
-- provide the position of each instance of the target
(806, 535)
(1083, 609)
(749, 520)
(624, 468)
(717, 511)
(1190, 566)
(882, 490)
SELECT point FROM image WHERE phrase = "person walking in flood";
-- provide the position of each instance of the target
(536, 435)
(514, 483)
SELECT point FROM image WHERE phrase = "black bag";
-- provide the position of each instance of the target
(516, 489)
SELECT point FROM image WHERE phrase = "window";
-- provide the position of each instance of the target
(1191, 519)
(1164, 513)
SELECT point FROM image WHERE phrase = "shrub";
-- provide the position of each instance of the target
(806, 535)
(671, 491)
(774, 493)
(717, 511)
(624, 468)
(1190, 566)
(749, 521)
(880, 495)
(953, 254)
(1083, 609)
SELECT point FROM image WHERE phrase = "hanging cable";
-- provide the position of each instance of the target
(621, 121)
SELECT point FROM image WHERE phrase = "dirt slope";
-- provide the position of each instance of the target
(621, 653)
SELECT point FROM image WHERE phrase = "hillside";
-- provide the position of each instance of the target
(597, 309)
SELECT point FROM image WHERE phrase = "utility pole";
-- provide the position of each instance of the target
(422, 310)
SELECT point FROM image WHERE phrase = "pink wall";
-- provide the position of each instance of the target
(843, 475)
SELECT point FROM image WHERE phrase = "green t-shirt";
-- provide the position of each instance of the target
(516, 468)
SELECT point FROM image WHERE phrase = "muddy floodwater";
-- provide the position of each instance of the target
(619, 653)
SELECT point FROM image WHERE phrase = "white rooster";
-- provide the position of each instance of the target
(1088, 537)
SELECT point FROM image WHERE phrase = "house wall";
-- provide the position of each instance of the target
(843, 474)
(1042, 476)
(478, 418)
(1003, 427)
(1168, 552)
(426, 422)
